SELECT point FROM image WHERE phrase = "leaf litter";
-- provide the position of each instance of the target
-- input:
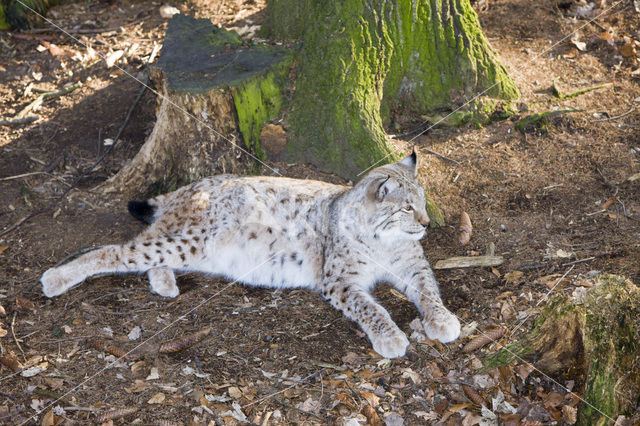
(240, 365)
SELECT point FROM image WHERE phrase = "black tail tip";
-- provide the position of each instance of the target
(141, 210)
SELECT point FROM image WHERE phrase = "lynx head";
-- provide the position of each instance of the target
(394, 201)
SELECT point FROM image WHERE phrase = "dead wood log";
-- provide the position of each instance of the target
(210, 86)
(593, 336)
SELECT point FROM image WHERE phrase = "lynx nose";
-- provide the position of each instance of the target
(423, 220)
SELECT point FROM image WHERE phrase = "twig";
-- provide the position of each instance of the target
(81, 30)
(86, 172)
(579, 261)
(410, 132)
(616, 116)
(352, 391)
(13, 333)
(16, 121)
(73, 408)
(437, 154)
(23, 175)
(553, 186)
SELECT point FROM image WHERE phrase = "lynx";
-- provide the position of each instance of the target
(283, 233)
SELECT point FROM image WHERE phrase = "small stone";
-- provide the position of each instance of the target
(393, 419)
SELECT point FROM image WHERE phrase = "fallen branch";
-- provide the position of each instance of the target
(17, 121)
(564, 96)
(469, 262)
(437, 154)
(540, 119)
(43, 97)
(23, 175)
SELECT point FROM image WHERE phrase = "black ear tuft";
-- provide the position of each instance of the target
(142, 210)
(411, 161)
(382, 190)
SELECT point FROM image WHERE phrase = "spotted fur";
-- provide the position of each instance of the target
(285, 233)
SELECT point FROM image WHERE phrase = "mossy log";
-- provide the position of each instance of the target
(210, 86)
(364, 62)
(594, 337)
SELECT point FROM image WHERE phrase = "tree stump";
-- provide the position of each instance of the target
(210, 87)
(595, 337)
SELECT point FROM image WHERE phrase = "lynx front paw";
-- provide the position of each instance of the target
(163, 282)
(444, 327)
(392, 345)
(54, 283)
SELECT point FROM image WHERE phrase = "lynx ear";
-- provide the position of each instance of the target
(379, 188)
(411, 161)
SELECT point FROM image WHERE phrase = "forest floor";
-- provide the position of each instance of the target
(556, 203)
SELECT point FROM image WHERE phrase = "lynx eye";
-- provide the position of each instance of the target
(407, 209)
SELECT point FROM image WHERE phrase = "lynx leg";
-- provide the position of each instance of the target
(421, 288)
(163, 282)
(358, 305)
(106, 259)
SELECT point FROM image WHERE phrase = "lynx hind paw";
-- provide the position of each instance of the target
(445, 328)
(163, 282)
(54, 283)
(391, 345)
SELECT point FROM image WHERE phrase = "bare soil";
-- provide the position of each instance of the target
(288, 357)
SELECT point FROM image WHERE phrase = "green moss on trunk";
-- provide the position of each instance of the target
(14, 15)
(596, 337)
(258, 100)
(362, 62)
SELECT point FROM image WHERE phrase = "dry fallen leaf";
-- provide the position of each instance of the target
(372, 416)
(157, 398)
(513, 277)
(628, 49)
(569, 414)
(11, 362)
(465, 229)
(25, 305)
(113, 57)
(234, 392)
(3, 248)
(371, 398)
(48, 419)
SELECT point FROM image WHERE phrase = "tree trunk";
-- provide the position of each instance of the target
(15, 16)
(364, 62)
(594, 337)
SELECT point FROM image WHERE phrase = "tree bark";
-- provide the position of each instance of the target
(210, 86)
(363, 63)
(594, 337)
(15, 16)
